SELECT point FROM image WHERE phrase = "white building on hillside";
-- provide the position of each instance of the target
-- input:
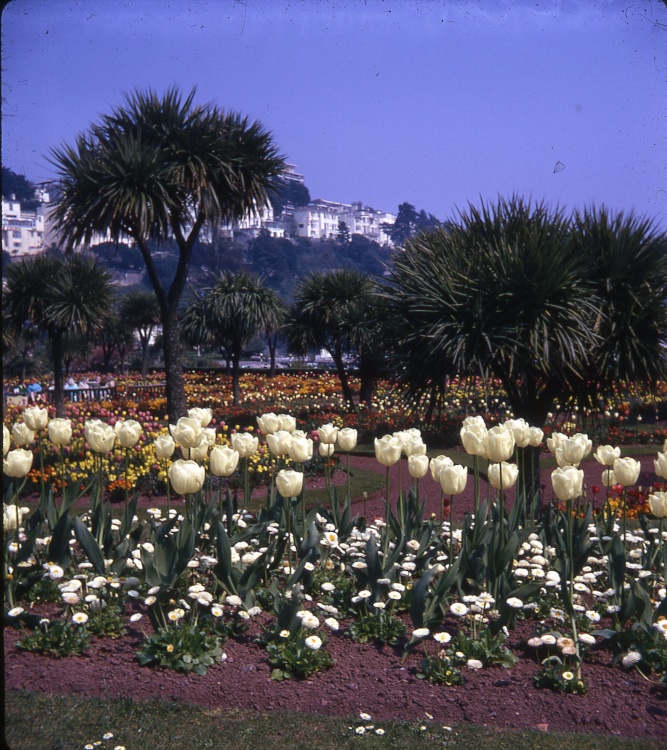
(22, 231)
(321, 218)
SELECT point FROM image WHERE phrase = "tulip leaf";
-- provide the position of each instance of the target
(59, 549)
(419, 592)
(89, 545)
(128, 515)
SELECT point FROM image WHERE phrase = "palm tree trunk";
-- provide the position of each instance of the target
(175, 383)
(342, 376)
(144, 358)
(236, 379)
(272, 342)
(57, 356)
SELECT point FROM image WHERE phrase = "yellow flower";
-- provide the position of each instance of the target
(170, 648)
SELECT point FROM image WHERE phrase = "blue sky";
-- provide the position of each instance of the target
(436, 103)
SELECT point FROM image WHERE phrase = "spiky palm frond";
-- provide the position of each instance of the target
(158, 164)
(502, 293)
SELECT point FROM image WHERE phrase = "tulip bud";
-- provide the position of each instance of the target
(414, 446)
(22, 434)
(536, 437)
(327, 433)
(326, 449)
(521, 431)
(268, 423)
(60, 431)
(575, 449)
(473, 434)
(12, 517)
(418, 465)
(606, 455)
(289, 483)
(199, 453)
(300, 449)
(388, 450)
(626, 471)
(279, 442)
(608, 478)
(186, 477)
(187, 432)
(100, 437)
(164, 446)
(453, 479)
(223, 461)
(657, 502)
(36, 418)
(499, 444)
(661, 465)
(203, 416)
(287, 422)
(17, 463)
(128, 432)
(567, 482)
(556, 441)
(502, 475)
(437, 464)
(347, 439)
(244, 444)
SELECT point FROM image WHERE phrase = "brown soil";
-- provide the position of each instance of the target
(364, 677)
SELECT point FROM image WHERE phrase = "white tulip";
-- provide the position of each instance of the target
(418, 466)
(127, 432)
(223, 461)
(626, 471)
(453, 479)
(499, 443)
(60, 431)
(567, 482)
(203, 416)
(606, 455)
(17, 463)
(36, 418)
(186, 476)
(244, 443)
(289, 483)
(347, 439)
(388, 450)
(268, 423)
(502, 475)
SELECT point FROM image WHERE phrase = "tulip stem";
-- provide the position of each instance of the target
(386, 515)
(451, 530)
(475, 499)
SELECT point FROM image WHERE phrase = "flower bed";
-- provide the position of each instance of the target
(554, 596)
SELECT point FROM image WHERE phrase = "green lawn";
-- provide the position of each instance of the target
(39, 722)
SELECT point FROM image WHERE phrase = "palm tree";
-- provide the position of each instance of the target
(140, 311)
(232, 312)
(627, 260)
(504, 293)
(157, 169)
(62, 296)
(338, 311)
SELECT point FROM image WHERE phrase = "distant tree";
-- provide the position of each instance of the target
(230, 313)
(288, 191)
(343, 236)
(76, 347)
(408, 223)
(18, 186)
(115, 338)
(60, 296)
(160, 168)
(140, 311)
(334, 311)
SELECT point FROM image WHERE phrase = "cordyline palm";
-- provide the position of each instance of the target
(338, 311)
(61, 296)
(233, 311)
(627, 261)
(141, 312)
(159, 168)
